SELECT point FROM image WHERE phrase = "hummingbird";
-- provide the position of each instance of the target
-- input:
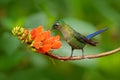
(74, 38)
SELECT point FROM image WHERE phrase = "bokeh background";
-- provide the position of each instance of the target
(17, 62)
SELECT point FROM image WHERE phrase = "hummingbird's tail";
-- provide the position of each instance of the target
(95, 33)
(89, 41)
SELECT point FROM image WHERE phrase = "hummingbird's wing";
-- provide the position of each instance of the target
(83, 39)
(96, 33)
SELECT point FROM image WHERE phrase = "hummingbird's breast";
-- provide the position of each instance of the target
(68, 34)
(74, 43)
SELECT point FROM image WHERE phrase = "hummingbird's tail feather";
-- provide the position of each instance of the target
(96, 33)
(89, 41)
(93, 43)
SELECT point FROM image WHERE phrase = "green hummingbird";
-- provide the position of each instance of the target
(73, 38)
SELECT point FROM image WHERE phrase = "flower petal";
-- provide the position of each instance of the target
(37, 45)
(39, 29)
(43, 41)
(33, 34)
(45, 48)
(57, 37)
(56, 45)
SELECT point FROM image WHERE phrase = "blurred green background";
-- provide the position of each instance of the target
(17, 62)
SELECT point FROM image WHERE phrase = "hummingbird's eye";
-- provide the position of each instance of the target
(56, 25)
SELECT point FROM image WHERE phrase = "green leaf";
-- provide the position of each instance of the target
(9, 43)
(36, 20)
(8, 62)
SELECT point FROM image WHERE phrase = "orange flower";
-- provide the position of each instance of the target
(43, 41)
(35, 32)
(45, 48)
(56, 45)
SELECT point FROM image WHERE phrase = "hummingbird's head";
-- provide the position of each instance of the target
(58, 25)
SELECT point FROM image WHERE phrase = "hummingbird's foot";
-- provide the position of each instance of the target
(70, 56)
(84, 57)
(71, 53)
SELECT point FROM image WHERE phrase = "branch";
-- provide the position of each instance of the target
(91, 56)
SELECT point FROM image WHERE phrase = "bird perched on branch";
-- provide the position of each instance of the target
(73, 38)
